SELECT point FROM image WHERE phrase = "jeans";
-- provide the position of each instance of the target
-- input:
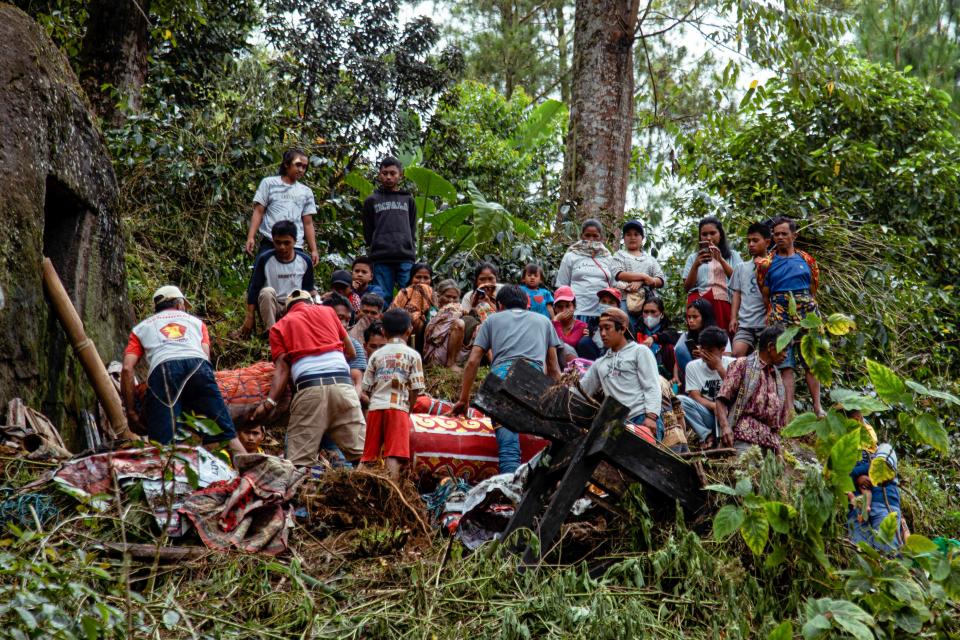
(587, 347)
(508, 442)
(338, 461)
(683, 358)
(187, 383)
(387, 276)
(699, 417)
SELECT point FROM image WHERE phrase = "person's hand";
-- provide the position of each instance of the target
(459, 408)
(247, 328)
(633, 287)
(135, 423)
(704, 257)
(648, 341)
(564, 316)
(715, 253)
(263, 410)
(696, 353)
(251, 243)
(651, 424)
(726, 435)
(710, 359)
(315, 256)
(734, 325)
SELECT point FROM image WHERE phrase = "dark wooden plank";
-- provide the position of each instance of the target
(536, 391)
(540, 485)
(516, 417)
(674, 477)
(574, 481)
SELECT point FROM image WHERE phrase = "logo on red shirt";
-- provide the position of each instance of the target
(173, 331)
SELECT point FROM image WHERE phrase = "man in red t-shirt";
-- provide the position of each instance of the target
(310, 347)
(177, 348)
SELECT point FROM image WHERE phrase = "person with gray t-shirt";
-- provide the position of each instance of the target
(511, 334)
(748, 311)
(284, 197)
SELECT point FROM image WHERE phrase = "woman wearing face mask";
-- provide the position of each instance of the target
(586, 269)
(655, 332)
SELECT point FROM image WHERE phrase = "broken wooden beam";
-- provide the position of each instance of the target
(150, 552)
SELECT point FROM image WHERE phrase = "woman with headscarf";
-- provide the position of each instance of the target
(707, 271)
(586, 269)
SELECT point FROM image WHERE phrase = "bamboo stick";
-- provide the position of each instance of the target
(85, 350)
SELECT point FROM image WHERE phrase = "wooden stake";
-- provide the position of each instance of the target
(86, 351)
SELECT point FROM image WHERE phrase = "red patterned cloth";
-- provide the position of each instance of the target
(251, 512)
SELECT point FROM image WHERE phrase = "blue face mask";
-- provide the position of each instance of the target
(603, 307)
(651, 321)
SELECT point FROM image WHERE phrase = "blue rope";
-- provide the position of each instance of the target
(437, 500)
(17, 511)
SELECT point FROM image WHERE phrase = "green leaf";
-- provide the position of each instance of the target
(839, 324)
(932, 432)
(822, 613)
(924, 391)
(811, 321)
(791, 309)
(917, 544)
(776, 557)
(783, 631)
(801, 425)
(853, 401)
(755, 531)
(91, 627)
(880, 471)
(743, 486)
(537, 125)
(446, 221)
(727, 521)
(844, 455)
(786, 337)
(721, 488)
(888, 384)
(779, 515)
(815, 626)
(361, 185)
(887, 531)
(431, 185)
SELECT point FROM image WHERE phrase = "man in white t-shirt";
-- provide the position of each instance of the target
(176, 346)
(703, 379)
(284, 197)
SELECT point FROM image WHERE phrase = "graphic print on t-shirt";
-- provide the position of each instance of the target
(711, 388)
(173, 331)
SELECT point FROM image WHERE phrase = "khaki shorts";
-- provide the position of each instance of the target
(314, 411)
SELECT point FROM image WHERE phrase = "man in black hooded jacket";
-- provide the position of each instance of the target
(390, 229)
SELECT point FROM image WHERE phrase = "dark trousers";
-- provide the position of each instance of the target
(185, 384)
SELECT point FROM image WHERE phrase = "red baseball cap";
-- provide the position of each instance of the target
(614, 292)
(564, 294)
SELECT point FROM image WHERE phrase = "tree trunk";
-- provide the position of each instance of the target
(113, 59)
(562, 53)
(596, 171)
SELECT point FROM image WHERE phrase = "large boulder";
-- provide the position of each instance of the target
(59, 200)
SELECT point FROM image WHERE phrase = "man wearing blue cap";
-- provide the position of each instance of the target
(637, 273)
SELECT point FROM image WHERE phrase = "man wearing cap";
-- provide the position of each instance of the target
(637, 273)
(310, 347)
(627, 372)
(277, 272)
(177, 348)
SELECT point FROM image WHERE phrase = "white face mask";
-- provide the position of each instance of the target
(651, 321)
(603, 307)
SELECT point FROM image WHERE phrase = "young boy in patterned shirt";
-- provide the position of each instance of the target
(393, 380)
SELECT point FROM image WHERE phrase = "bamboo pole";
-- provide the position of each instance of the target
(85, 350)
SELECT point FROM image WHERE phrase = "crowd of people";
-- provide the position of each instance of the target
(353, 350)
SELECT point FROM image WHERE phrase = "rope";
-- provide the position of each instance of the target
(20, 510)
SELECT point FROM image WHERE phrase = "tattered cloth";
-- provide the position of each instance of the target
(251, 512)
(164, 474)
